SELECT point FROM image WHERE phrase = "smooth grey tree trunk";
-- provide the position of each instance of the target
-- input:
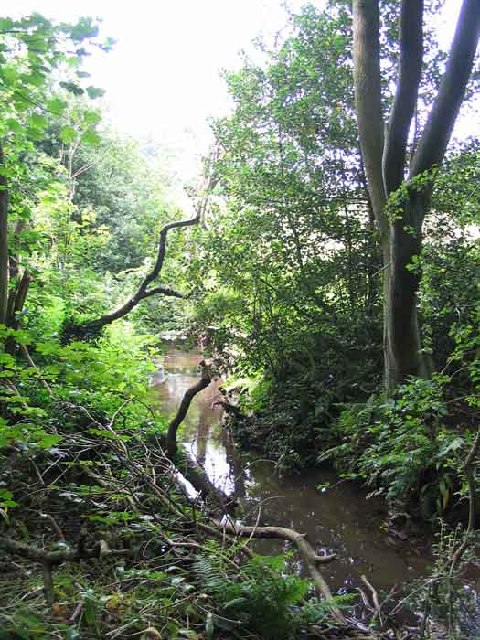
(385, 160)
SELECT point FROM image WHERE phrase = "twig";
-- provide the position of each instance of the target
(54, 523)
(375, 600)
(30, 361)
(76, 613)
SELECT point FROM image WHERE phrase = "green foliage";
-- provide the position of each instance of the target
(404, 448)
(287, 251)
(260, 598)
(448, 605)
(99, 378)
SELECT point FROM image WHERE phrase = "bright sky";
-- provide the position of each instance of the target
(162, 77)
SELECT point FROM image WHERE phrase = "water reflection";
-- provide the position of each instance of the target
(338, 519)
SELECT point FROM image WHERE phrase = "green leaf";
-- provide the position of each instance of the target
(14, 125)
(56, 106)
(72, 87)
(37, 121)
(68, 134)
(48, 441)
(91, 137)
(9, 74)
(95, 92)
(92, 117)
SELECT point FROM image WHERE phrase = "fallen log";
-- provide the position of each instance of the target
(50, 559)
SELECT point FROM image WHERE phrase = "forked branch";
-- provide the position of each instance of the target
(92, 328)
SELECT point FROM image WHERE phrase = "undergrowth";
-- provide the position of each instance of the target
(85, 478)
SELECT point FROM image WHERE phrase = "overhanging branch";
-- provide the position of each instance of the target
(93, 327)
(142, 291)
(166, 291)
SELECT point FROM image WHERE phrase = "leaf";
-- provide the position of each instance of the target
(91, 117)
(71, 87)
(91, 137)
(14, 125)
(68, 134)
(450, 447)
(95, 92)
(37, 121)
(56, 106)
(49, 441)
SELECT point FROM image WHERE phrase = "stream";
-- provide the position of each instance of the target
(336, 515)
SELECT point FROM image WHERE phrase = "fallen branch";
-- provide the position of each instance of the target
(305, 549)
(198, 478)
(171, 439)
(189, 468)
(376, 602)
(58, 556)
(50, 559)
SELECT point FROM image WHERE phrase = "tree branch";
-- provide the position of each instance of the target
(166, 291)
(438, 130)
(92, 328)
(171, 439)
(50, 559)
(305, 549)
(366, 61)
(141, 292)
(411, 54)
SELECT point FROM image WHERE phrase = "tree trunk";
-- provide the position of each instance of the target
(3, 242)
(385, 161)
(404, 357)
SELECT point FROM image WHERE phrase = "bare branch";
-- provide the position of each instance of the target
(171, 439)
(306, 550)
(35, 554)
(411, 54)
(438, 130)
(164, 290)
(140, 293)
(92, 328)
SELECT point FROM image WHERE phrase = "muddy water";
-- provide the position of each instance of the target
(335, 515)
